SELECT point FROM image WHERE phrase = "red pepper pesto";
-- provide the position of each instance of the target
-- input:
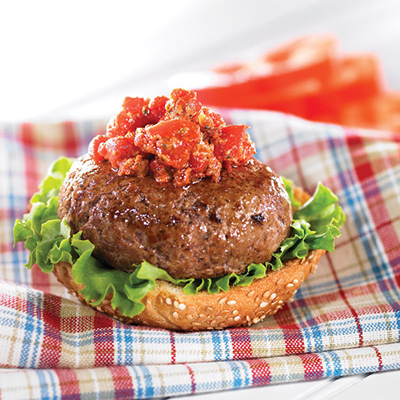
(174, 139)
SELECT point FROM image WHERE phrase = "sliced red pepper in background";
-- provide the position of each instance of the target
(311, 57)
(310, 78)
(356, 78)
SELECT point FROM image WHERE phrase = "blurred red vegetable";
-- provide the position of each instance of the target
(310, 77)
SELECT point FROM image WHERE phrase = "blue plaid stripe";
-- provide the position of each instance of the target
(140, 349)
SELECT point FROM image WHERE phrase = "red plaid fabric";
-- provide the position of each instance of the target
(345, 319)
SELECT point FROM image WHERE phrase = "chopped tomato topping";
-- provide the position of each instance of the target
(234, 145)
(160, 170)
(157, 109)
(94, 148)
(138, 166)
(133, 115)
(174, 139)
(183, 104)
(136, 113)
(118, 149)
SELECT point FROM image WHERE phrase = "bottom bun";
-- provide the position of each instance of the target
(167, 306)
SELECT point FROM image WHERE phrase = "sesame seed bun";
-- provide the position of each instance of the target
(167, 306)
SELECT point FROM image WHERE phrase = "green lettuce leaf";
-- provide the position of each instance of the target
(290, 191)
(315, 226)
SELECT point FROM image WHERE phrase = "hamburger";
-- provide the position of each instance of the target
(169, 221)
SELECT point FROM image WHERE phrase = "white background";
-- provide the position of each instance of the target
(79, 59)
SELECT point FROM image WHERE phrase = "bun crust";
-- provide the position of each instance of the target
(167, 306)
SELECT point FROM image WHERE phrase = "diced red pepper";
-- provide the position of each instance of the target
(183, 176)
(172, 141)
(161, 171)
(118, 149)
(94, 148)
(183, 104)
(176, 139)
(234, 145)
(134, 114)
(157, 109)
(138, 166)
(204, 163)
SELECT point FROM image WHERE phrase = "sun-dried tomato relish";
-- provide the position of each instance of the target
(173, 139)
(136, 112)
(233, 145)
(117, 149)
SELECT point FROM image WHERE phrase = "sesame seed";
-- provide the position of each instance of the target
(176, 304)
(182, 306)
(235, 312)
(202, 316)
(263, 304)
(251, 294)
(273, 295)
(168, 301)
(231, 302)
(175, 315)
(248, 318)
(314, 269)
(189, 317)
(280, 302)
(289, 285)
(237, 318)
(255, 320)
(222, 301)
(266, 294)
(196, 324)
(295, 281)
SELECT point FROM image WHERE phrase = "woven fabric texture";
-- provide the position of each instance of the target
(345, 319)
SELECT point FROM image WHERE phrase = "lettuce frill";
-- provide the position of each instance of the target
(314, 226)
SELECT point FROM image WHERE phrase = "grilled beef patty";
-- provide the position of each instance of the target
(202, 230)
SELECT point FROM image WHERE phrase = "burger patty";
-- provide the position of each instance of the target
(203, 230)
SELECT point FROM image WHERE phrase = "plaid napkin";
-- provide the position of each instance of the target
(345, 319)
